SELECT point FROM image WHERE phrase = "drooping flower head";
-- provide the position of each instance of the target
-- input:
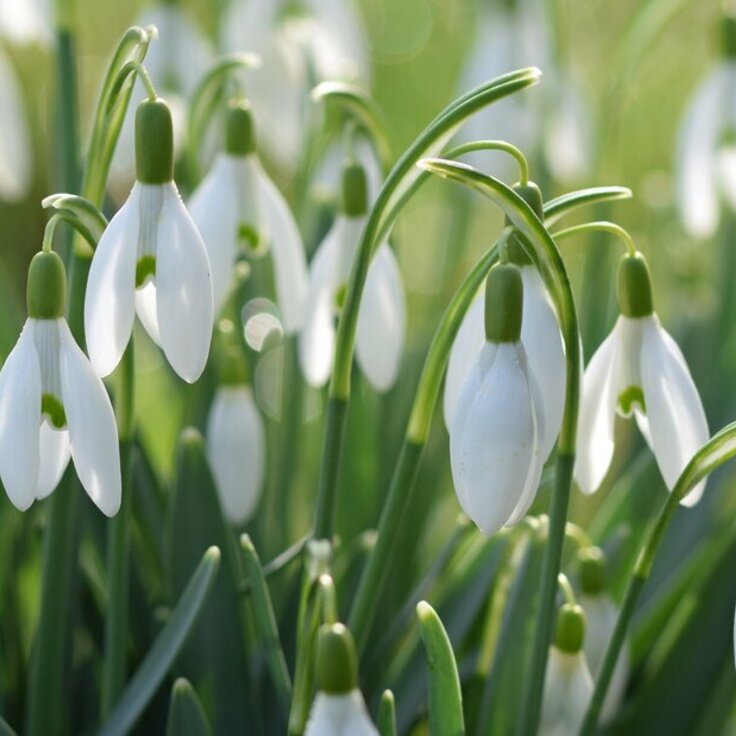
(338, 708)
(151, 261)
(382, 315)
(53, 405)
(639, 370)
(239, 211)
(498, 426)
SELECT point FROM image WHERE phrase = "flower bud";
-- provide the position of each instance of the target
(240, 129)
(337, 661)
(532, 195)
(634, 287)
(46, 291)
(154, 143)
(570, 628)
(504, 304)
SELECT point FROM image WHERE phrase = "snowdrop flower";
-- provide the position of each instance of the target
(326, 41)
(15, 142)
(639, 370)
(705, 159)
(26, 21)
(382, 317)
(568, 685)
(176, 62)
(236, 445)
(498, 428)
(239, 211)
(151, 261)
(52, 404)
(338, 708)
(540, 336)
(601, 613)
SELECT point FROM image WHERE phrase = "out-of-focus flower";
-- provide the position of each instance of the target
(705, 159)
(176, 61)
(151, 260)
(382, 315)
(239, 211)
(52, 404)
(639, 369)
(325, 41)
(26, 21)
(568, 685)
(338, 708)
(498, 426)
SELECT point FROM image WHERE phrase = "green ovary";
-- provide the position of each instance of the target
(629, 398)
(144, 269)
(54, 410)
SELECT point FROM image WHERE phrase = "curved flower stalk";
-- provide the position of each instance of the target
(705, 158)
(639, 370)
(239, 211)
(540, 337)
(382, 318)
(568, 684)
(338, 708)
(236, 440)
(53, 404)
(176, 63)
(326, 41)
(151, 261)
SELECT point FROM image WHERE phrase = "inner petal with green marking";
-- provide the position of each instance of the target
(53, 410)
(629, 399)
(145, 269)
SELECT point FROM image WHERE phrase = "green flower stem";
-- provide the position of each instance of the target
(600, 226)
(718, 450)
(385, 210)
(566, 588)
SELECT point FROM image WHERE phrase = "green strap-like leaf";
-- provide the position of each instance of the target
(186, 715)
(161, 655)
(386, 720)
(560, 206)
(445, 697)
(5, 729)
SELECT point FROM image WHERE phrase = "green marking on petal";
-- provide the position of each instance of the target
(249, 237)
(145, 268)
(340, 296)
(632, 396)
(54, 410)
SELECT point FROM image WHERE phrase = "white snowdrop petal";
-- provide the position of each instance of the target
(677, 421)
(695, 159)
(469, 340)
(492, 438)
(568, 687)
(146, 306)
(109, 301)
(54, 457)
(15, 143)
(545, 353)
(20, 417)
(339, 715)
(597, 415)
(93, 433)
(236, 449)
(214, 209)
(287, 251)
(183, 290)
(26, 21)
(381, 321)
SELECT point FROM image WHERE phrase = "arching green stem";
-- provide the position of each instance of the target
(566, 588)
(600, 226)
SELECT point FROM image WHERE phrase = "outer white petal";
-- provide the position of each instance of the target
(677, 421)
(237, 449)
(469, 340)
(317, 336)
(109, 307)
(695, 160)
(214, 209)
(597, 414)
(54, 457)
(287, 250)
(20, 417)
(601, 614)
(568, 687)
(339, 715)
(381, 321)
(15, 144)
(545, 352)
(93, 434)
(492, 437)
(183, 290)
(146, 306)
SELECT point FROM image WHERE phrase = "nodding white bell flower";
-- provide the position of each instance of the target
(53, 405)
(236, 444)
(151, 261)
(601, 614)
(26, 21)
(15, 144)
(338, 708)
(498, 425)
(326, 40)
(568, 685)
(176, 62)
(382, 315)
(239, 210)
(705, 156)
(639, 370)
(540, 336)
